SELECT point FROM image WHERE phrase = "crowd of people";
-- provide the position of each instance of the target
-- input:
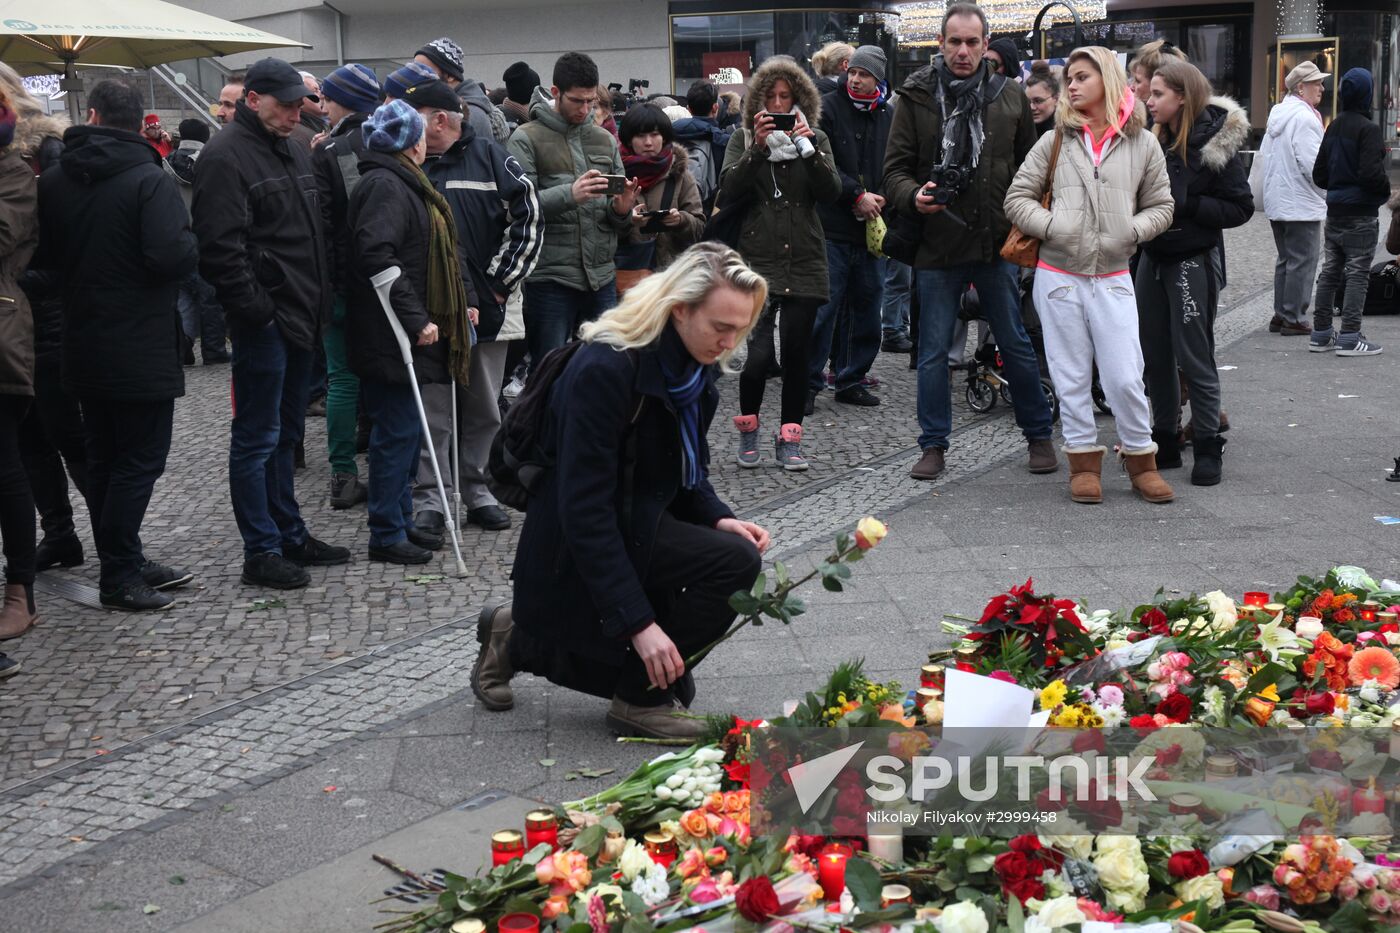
(610, 255)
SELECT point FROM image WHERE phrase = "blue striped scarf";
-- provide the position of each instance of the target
(685, 395)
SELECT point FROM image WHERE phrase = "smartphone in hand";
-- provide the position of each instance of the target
(616, 184)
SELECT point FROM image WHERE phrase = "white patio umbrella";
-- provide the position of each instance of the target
(38, 37)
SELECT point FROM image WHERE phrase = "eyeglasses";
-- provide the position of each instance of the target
(582, 101)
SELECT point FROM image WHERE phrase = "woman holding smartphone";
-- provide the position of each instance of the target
(781, 166)
(669, 213)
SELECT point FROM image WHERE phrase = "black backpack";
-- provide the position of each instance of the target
(518, 461)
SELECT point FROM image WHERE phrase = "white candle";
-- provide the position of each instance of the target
(887, 846)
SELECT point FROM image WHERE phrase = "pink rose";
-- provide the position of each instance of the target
(1391, 882)
(1266, 896)
(1379, 902)
(704, 892)
(1348, 889)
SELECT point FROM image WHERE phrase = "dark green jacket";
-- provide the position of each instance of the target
(782, 238)
(916, 145)
(580, 240)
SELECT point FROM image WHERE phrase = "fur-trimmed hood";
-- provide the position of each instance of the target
(31, 131)
(680, 161)
(1223, 129)
(804, 92)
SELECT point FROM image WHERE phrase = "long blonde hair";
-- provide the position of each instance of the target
(1152, 56)
(826, 61)
(23, 103)
(1115, 85)
(642, 315)
(1186, 79)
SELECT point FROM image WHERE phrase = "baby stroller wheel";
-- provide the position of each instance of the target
(1100, 400)
(1051, 398)
(981, 397)
(1006, 393)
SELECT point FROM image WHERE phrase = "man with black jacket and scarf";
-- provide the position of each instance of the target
(115, 233)
(856, 117)
(262, 247)
(350, 94)
(1351, 168)
(960, 127)
(500, 230)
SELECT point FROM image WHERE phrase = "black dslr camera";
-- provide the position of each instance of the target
(950, 181)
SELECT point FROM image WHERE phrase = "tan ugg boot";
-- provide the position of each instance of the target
(1142, 470)
(18, 614)
(1085, 465)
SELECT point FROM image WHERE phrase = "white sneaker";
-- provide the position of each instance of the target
(513, 388)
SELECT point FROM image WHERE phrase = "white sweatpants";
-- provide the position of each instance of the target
(1086, 319)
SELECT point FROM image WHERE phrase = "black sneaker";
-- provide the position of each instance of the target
(135, 597)
(273, 570)
(8, 666)
(857, 395)
(62, 552)
(425, 539)
(490, 517)
(161, 577)
(313, 553)
(404, 552)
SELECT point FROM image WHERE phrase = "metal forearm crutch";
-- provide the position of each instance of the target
(383, 282)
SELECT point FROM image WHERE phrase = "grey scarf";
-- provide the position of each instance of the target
(962, 101)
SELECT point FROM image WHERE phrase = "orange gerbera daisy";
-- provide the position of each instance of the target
(1375, 663)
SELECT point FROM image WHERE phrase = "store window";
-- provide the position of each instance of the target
(1368, 40)
(726, 48)
(1219, 47)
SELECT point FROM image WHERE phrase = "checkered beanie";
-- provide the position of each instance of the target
(394, 127)
(354, 87)
(409, 75)
(447, 55)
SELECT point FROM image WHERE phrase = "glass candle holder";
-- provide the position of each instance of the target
(541, 826)
(506, 845)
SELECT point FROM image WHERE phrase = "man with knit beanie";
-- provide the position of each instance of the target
(446, 59)
(350, 94)
(856, 117)
(520, 81)
(1004, 57)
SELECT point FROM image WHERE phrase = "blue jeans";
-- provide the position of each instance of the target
(857, 283)
(202, 317)
(553, 313)
(899, 280)
(1348, 249)
(395, 434)
(940, 291)
(270, 382)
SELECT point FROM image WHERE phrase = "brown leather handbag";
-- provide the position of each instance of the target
(1020, 247)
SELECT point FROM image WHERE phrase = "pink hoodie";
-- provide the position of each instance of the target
(1097, 147)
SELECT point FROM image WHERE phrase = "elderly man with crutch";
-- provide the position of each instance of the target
(405, 281)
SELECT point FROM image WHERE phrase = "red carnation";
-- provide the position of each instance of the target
(756, 900)
(1176, 707)
(1143, 724)
(1189, 864)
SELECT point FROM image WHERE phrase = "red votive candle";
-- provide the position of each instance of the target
(831, 870)
(931, 676)
(1256, 599)
(662, 848)
(541, 826)
(505, 846)
(1369, 800)
(1368, 610)
(518, 923)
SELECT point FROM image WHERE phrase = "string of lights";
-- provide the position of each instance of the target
(1298, 17)
(920, 22)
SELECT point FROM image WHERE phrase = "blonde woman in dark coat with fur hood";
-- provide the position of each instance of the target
(781, 176)
(1177, 290)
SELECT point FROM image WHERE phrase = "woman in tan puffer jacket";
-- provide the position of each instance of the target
(1110, 194)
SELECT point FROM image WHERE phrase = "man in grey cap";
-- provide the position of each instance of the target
(856, 117)
(1296, 208)
(449, 61)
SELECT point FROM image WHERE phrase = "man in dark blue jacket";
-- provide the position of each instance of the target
(1351, 167)
(500, 229)
(702, 139)
(115, 232)
(857, 118)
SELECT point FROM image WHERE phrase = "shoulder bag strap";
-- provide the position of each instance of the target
(1050, 175)
(668, 194)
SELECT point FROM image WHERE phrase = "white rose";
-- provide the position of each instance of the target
(1122, 872)
(1223, 608)
(1207, 886)
(1078, 847)
(634, 860)
(962, 917)
(1061, 912)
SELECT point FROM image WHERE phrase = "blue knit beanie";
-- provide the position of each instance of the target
(354, 87)
(406, 77)
(394, 127)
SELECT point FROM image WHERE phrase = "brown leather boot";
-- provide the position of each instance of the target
(1085, 465)
(492, 673)
(1142, 470)
(668, 721)
(18, 614)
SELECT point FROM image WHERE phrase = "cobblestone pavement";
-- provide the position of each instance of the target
(95, 681)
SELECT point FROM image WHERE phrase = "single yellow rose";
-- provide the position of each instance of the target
(870, 532)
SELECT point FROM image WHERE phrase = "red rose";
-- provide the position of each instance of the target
(1092, 741)
(1028, 844)
(1025, 890)
(1176, 707)
(756, 900)
(1143, 724)
(738, 772)
(1166, 757)
(1155, 621)
(1013, 867)
(1189, 864)
(1321, 703)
